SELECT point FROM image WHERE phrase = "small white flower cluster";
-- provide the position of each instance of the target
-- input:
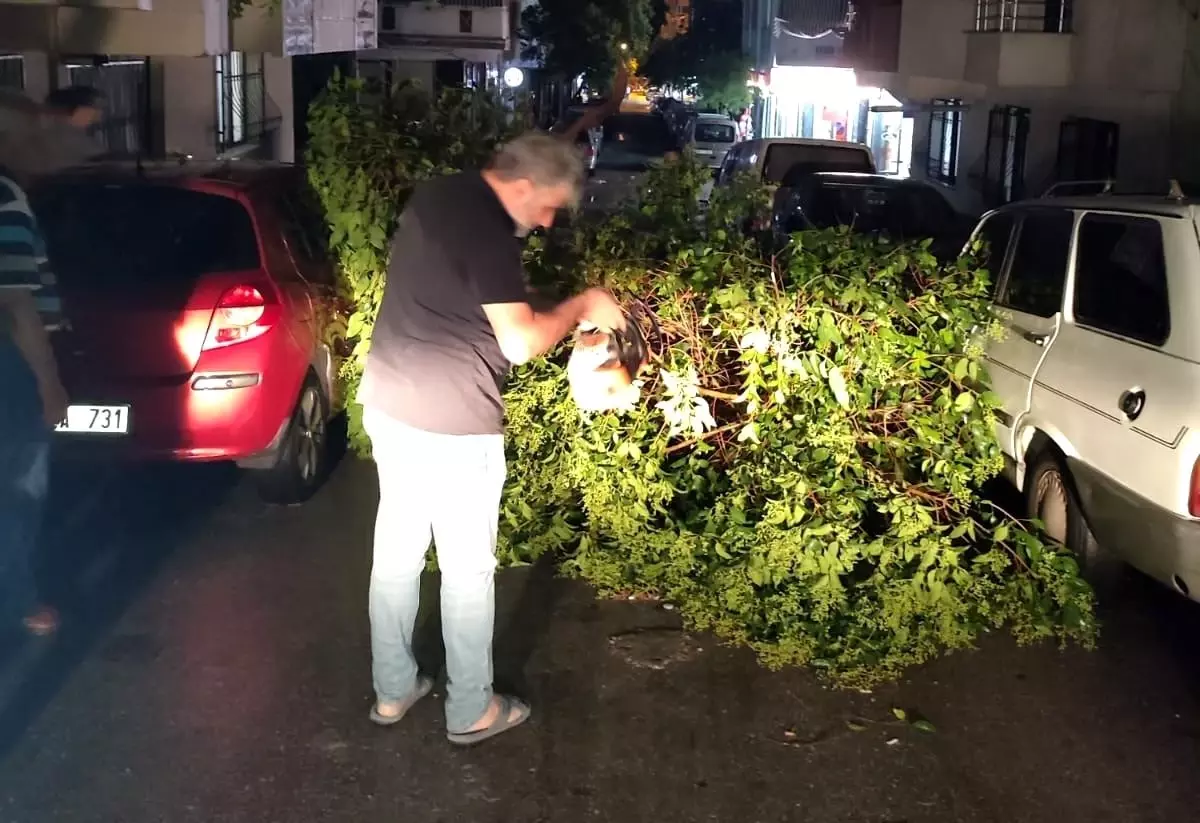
(793, 364)
(761, 342)
(683, 407)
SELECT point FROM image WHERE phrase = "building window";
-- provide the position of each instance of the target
(1087, 149)
(241, 99)
(387, 18)
(465, 21)
(1048, 16)
(945, 123)
(1004, 157)
(12, 72)
(124, 127)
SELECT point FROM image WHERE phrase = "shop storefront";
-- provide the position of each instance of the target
(828, 104)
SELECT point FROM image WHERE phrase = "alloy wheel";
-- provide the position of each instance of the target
(310, 432)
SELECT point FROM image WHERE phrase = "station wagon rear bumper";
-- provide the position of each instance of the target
(1158, 542)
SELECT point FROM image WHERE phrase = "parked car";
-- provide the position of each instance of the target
(871, 204)
(1099, 373)
(712, 136)
(772, 158)
(197, 300)
(632, 143)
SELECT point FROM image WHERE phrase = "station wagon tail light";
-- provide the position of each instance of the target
(1194, 491)
(241, 315)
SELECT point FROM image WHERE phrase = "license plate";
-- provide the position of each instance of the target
(95, 420)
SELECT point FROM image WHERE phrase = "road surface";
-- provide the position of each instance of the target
(215, 668)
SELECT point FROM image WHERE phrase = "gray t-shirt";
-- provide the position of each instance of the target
(434, 362)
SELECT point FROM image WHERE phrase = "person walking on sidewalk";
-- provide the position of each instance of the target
(35, 140)
(455, 314)
(31, 403)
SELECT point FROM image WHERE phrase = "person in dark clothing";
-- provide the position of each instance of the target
(455, 314)
(31, 403)
(35, 140)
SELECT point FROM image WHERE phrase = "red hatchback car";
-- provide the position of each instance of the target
(197, 301)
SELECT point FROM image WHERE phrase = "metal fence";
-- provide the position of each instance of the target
(124, 127)
(241, 100)
(1047, 16)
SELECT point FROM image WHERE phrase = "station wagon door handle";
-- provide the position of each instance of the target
(1034, 337)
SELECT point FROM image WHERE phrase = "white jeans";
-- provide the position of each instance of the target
(448, 487)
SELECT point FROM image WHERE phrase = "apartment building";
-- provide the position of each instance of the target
(677, 20)
(1009, 96)
(181, 77)
(443, 42)
(991, 99)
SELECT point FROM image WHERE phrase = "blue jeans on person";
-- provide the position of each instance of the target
(24, 481)
(446, 487)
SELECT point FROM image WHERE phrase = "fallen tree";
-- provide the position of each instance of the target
(802, 471)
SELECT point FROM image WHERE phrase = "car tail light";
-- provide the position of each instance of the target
(241, 315)
(1194, 491)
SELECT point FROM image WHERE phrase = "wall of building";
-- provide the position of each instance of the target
(189, 105)
(1125, 63)
(1117, 44)
(932, 39)
(188, 101)
(185, 27)
(1185, 114)
(803, 51)
(1144, 120)
(1129, 44)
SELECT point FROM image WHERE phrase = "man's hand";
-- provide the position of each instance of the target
(54, 401)
(602, 310)
(524, 333)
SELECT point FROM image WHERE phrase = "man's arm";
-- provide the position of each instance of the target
(29, 333)
(524, 334)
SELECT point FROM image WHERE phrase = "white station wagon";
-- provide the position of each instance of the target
(1099, 373)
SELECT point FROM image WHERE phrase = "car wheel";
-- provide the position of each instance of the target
(303, 460)
(1051, 499)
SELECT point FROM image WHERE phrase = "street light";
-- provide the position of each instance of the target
(624, 47)
(513, 77)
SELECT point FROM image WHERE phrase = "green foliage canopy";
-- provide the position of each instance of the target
(708, 60)
(574, 37)
(802, 473)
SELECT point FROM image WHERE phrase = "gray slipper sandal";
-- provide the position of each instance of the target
(424, 687)
(504, 722)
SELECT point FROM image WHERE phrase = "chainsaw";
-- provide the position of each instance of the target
(605, 364)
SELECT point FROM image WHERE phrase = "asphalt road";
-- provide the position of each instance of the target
(215, 668)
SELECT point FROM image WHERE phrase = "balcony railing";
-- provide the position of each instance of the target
(1045, 16)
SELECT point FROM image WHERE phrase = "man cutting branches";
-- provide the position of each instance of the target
(454, 316)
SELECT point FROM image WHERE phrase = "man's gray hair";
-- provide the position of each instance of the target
(543, 159)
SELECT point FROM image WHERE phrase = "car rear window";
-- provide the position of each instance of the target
(714, 133)
(782, 158)
(101, 234)
(903, 212)
(631, 141)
